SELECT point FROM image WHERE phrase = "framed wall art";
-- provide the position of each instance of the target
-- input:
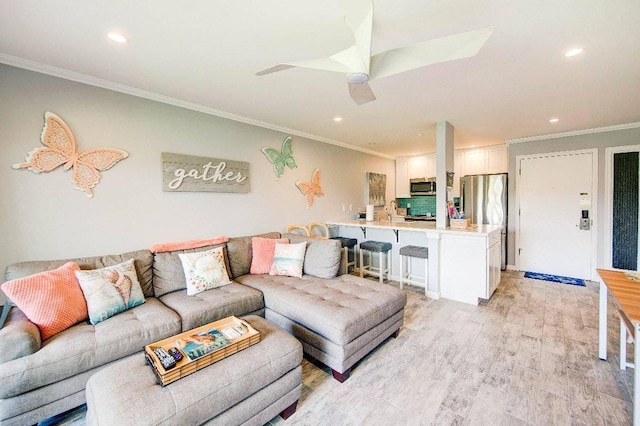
(376, 188)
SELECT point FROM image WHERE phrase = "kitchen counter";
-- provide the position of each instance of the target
(464, 264)
(418, 226)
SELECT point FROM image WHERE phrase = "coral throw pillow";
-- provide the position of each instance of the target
(288, 259)
(204, 270)
(52, 300)
(263, 251)
(110, 290)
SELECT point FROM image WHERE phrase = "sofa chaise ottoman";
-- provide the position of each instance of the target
(338, 319)
(249, 387)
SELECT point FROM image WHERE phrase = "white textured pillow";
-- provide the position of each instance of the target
(204, 270)
(110, 290)
(288, 259)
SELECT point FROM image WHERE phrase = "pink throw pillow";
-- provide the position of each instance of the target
(263, 251)
(52, 300)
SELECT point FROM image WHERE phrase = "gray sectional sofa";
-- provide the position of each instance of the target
(338, 320)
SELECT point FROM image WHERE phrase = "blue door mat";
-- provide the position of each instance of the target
(554, 278)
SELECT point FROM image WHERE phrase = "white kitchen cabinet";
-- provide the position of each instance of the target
(430, 165)
(418, 166)
(497, 158)
(494, 256)
(470, 266)
(475, 162)
(403, 189)
(493, 159)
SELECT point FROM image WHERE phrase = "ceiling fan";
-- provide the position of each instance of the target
(361, 67)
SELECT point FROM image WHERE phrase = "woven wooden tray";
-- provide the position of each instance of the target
(460, 223)
(187, 366)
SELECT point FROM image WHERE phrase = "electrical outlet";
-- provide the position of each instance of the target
(350, 207)
(344, 208)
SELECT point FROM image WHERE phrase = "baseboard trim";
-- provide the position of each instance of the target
(432, 294)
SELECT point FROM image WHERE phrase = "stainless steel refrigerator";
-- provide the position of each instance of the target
(483, 198)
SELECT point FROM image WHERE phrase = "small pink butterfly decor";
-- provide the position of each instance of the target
(311, 189)
(60, 148)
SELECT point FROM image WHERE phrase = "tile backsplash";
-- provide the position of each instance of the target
(421, 204)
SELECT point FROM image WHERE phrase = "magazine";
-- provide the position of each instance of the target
(202, 343)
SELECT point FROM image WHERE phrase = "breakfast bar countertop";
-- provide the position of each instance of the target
(417, 226)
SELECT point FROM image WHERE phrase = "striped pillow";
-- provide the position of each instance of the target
(288, 259)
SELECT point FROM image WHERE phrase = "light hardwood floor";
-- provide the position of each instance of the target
(528, 356)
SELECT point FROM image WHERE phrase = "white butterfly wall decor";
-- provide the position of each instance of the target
(311, 189)
(60, 148)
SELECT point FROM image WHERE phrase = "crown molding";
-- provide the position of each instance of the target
(575, 133)
(117, 87)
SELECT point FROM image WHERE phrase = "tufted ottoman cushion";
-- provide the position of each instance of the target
(338, 320)
(249, 387)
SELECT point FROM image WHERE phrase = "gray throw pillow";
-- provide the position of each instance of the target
(322, 258)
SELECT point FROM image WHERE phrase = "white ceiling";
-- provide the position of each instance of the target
(205, 53)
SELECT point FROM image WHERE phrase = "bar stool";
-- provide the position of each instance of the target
(298, 229)
(376, 247)
(318, 230)
(348, 246)
(406, 253)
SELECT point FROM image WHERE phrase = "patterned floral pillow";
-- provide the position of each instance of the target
(110, 290)
(204, 270)
(288, 259)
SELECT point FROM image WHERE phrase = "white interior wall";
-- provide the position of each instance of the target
(599, 141)
(44, 217)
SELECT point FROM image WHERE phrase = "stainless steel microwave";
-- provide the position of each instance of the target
(423, 186)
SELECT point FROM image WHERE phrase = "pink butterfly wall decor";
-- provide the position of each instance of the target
(60, 148)
(311, 189)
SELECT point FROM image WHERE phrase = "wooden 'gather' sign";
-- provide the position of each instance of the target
(202, 174)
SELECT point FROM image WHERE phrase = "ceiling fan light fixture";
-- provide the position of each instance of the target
(357, 78)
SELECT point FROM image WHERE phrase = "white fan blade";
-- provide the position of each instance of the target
(361, 93)
(429, 52)
(359, 18)
(327, 64)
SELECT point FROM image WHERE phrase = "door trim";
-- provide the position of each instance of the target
(594, 202)
(608, 201)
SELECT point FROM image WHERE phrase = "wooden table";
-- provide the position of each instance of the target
(626, 292)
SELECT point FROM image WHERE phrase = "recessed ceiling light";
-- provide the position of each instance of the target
(573, 52)
(419, 134)
(118, 38)
(554, 120)
(337, 119)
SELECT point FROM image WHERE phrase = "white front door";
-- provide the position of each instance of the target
(553, 191)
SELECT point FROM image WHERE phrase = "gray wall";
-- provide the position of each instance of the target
(571, 143)
(44, 217)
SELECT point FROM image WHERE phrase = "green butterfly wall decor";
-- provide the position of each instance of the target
(281, 158)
